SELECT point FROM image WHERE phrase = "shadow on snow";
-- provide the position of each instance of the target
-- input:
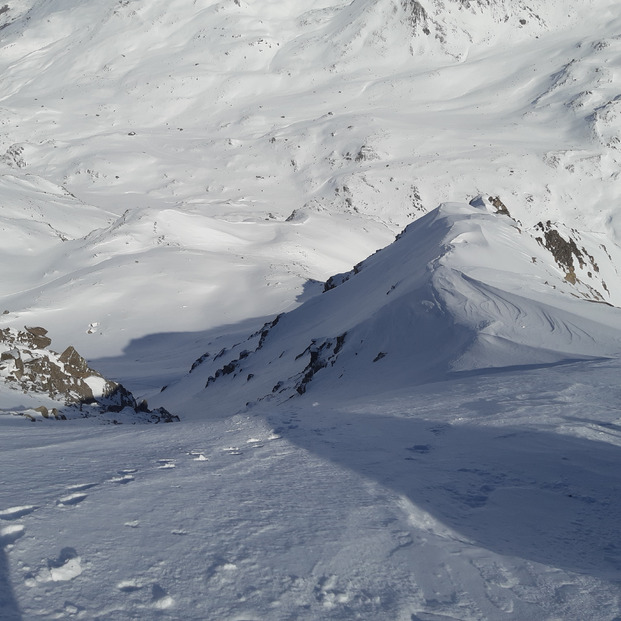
(9, 609)
(517, 491)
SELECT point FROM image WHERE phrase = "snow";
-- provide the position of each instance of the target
(435, 437)
(274, 114)
(492, 495)
(96, 384)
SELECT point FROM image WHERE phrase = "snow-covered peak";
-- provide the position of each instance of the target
(462, 288)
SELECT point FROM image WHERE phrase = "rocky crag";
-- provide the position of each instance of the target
(65, 384)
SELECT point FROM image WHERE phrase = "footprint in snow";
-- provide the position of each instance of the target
(254, 443)
(220, 568)
(13, 513)
(75, 495)
(165, 464)
(66, 567)
(130, 586)
(71, 500)
(196, 456)
(123, 476)
(160, 598)
(71, 609)
(80, 487)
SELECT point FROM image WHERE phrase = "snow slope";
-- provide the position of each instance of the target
(434, 437)
(486, 496)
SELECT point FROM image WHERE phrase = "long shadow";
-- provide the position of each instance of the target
(150, 362)
(545, 497)
(487, 371)
(9, 608)
(514, 490)
(154, 360)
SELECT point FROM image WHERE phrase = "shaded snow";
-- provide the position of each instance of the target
(488, 496)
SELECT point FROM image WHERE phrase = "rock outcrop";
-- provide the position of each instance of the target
(26, 365)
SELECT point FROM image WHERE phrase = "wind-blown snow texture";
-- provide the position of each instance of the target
(432, 435)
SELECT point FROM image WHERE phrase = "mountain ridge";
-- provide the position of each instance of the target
(462, 288)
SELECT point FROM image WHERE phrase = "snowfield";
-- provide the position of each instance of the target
(432, 434)
(492, 495)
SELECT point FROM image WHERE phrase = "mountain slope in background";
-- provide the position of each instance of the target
(326, 126)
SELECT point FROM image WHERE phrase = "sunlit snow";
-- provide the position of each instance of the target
(432, 434)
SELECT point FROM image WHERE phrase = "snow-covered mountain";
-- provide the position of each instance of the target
(184, 189)
(301, 138)
(462, 288)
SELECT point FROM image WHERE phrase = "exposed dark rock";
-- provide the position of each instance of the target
(335, 281)
(36, 331)
(227, 369)
(319, 359)
(35, 337)
(75, 365)
(265, 330)
(417, 15)
(65, 378)
(340, 341)
(116, 398)
(13, 354)
(43, 411)
(562, 250)
(199, 361)
(339, 279)
(296, 216)
(14, 156)
(220, 353)
(366, 153)
(162, 415)
(499, 205)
